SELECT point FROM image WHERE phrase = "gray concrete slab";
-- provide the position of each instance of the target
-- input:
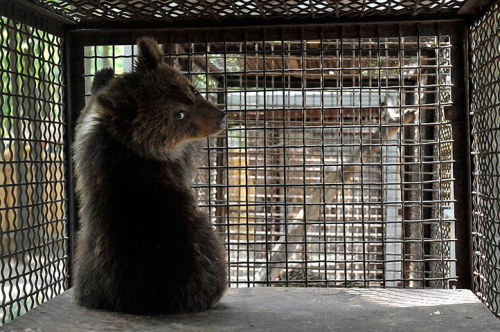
(284, 309)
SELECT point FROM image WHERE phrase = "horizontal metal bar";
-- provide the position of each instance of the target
(274, 31)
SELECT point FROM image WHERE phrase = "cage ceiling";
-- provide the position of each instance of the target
(141, 10)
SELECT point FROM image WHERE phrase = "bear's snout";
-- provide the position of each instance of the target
(222, 120)
(209, 120)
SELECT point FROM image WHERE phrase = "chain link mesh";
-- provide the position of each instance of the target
(485, 121)
(32, 164)
(210, 9)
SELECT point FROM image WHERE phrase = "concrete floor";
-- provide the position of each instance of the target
(284, 309)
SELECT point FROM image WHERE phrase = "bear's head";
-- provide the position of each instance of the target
(155, 108)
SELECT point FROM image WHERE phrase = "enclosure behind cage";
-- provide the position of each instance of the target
(348, 159)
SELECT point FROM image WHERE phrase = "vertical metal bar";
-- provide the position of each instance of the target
(303, 86)
(222, 209)
(461, 155)
(226, 148)
(245, 88)
(209, 161)
(440, 159)
(132, 49)
(323, 158)
(361, 174)
(266, 223)
(381, 134)
(285, 191)
(170, 50)
(75, 101)
(95, 56)
(420, 155)
(426, 137)
(467, 59)
(401, 160)
(344, 220)
(113, 54)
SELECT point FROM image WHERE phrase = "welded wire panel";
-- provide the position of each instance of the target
(485, 120)
(214, 9)
(336, 168)
(32, 165)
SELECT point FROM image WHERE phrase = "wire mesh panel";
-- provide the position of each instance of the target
(485, 120)
(108, 10)
(336, 168)
(32, 166)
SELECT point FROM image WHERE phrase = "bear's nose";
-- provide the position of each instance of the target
(222, 119)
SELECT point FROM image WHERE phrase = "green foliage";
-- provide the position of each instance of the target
(117, 57)
(20, 307)
(31, 73)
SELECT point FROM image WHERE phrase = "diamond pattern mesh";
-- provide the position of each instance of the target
(216, 9)
(33, 220)
(485, 107)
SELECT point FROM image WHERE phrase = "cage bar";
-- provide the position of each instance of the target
(484, 113)
(33, 164)
(108, 10)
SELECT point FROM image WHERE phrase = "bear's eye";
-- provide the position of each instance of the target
(180, 115)
(195, 92)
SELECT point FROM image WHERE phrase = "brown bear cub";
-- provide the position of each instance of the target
(143, 246)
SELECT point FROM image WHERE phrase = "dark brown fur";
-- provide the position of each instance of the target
(143, 246)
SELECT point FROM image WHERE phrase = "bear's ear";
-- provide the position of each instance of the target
(113, 101)
(150, 55)
(107, 102)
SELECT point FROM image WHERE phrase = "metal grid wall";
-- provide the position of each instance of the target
(336, 167)
(485, 120)
(33, 266)
(108, 10)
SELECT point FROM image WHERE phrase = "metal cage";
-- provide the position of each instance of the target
(485, 150)
(33, 159)
(360, 151)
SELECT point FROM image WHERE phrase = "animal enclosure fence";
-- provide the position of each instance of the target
(485, 119)
(32, 159)
(345, 162)
(336, 166)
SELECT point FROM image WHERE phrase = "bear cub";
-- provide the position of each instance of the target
(143, 245)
